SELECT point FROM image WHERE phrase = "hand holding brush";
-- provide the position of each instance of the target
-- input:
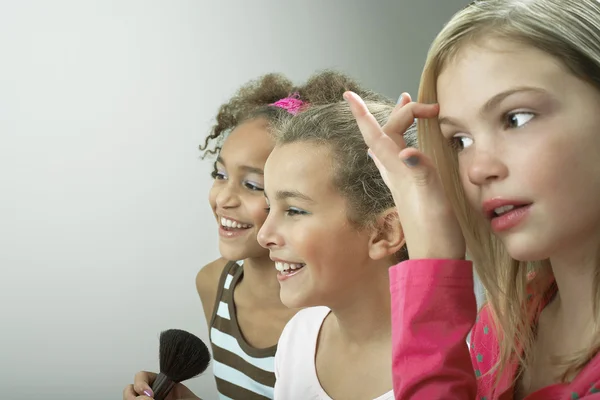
(182, 357)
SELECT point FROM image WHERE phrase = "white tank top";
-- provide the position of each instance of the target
(295, 370)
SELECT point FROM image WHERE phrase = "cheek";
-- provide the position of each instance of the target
(311, 246)
(564, 174)
(472, 192)
(212, 197)
(550, 162)
(256, 207)
(350, 247)
(308, 239)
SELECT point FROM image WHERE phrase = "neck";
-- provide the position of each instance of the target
(364, 318)
(260, 281)
(575, 271)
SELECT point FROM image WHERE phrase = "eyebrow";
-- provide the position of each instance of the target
(292, 194)
(495, 101)
(246, 168)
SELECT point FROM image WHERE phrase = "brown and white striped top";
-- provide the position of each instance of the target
(242, 372)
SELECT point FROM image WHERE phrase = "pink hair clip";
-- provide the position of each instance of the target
(291, 104)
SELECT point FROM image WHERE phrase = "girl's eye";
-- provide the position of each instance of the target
(253, 186)
(218, 175)
(460, 142)
(293, 211)
(518, 119)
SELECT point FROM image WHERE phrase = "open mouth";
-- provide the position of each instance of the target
(286, 268)
(233, 225)
(508, 216)
(500, 211)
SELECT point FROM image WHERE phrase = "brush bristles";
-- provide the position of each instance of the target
(182, 355)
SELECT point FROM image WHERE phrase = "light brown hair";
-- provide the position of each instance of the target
(355, 174)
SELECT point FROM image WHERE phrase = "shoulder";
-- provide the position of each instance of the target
(207, 278)
(303, 325)
(296, 346)
(309, 315)
(207, 284)
(295, 356)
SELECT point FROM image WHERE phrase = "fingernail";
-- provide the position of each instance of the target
(411, 161)
(148, 393)
(400, 99)
(370, 154)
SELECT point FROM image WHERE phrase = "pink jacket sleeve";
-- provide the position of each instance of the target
(433, 310)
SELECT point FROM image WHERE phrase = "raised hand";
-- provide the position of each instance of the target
(428, 220)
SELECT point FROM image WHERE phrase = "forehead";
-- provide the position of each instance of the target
(248, 144)
(483, 69)
(303, 166)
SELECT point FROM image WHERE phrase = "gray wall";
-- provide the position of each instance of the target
(103, 214)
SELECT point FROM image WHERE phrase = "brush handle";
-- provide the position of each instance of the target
(162, 386)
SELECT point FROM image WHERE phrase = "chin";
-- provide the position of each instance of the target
(229, 253)
(526, 249)
(236, 253)
(294, 300)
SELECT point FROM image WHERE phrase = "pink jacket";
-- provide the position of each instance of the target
(433, 310)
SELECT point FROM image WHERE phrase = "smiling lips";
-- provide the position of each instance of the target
(231, 223)
(230, 228)
(287, 269)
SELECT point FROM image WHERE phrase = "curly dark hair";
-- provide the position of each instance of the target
(252, 101)
(254, 95)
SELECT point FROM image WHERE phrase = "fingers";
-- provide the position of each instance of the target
(386, 142)
(382, 170)
(130, 394)
(403, 100)
(403, 117)
(384, 148)
(142, 381)
(421, 168)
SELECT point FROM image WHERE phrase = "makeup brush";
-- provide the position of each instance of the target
(181, 356)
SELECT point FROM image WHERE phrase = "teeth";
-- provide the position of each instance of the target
(284, 267)
(233, 224)
(503, 209)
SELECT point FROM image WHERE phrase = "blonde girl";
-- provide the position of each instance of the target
(509, 123)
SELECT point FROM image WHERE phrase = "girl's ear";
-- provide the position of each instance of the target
(387, 237)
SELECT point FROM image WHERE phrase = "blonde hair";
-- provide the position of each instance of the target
(569, 31)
